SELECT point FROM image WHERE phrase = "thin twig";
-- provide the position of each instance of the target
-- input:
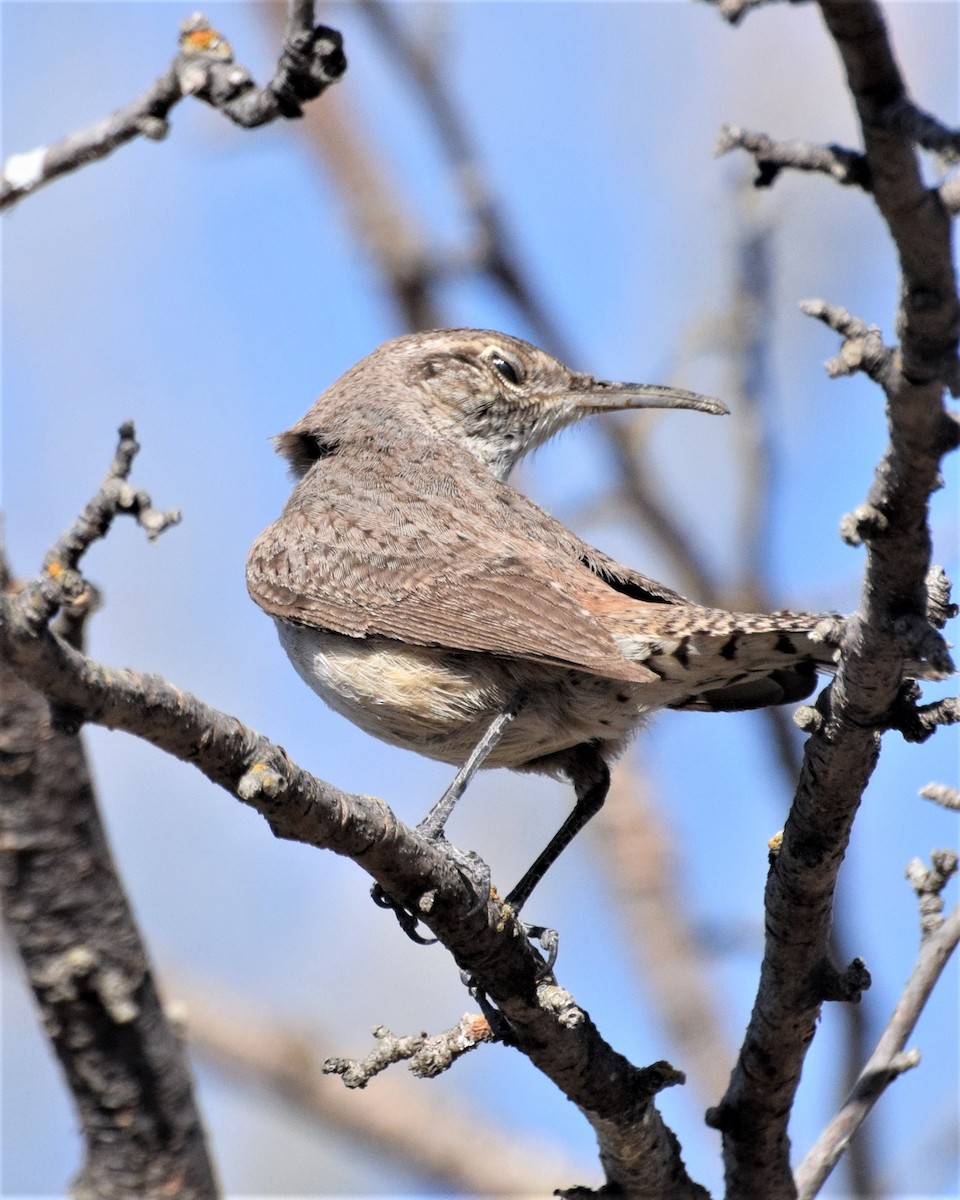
(887, 1062)
(440, 1138)
(844, 166)
(310, 60)
(427, 1054)
(942, 794)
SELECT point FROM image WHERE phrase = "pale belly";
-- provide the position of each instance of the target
(439, 702)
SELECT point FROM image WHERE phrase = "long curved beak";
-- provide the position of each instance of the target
(599, 395)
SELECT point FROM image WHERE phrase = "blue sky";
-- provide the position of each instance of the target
(210, 286)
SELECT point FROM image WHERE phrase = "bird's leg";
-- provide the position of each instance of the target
(432, 825)
(591, 781)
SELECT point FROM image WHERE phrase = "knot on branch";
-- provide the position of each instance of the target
(829, 631)
(928, 884)
(807, 719)
(557, 1000)
(925, 646)
(918, 722)
(727, 1117)
(261, 782)
(199, 40)
(310, 60)
(863, 347)
(940, 608)
(657, 1078)
(864, 524)
(846, 986)
(309, 63)
(813, 718)
(78, 968)
(152, 127)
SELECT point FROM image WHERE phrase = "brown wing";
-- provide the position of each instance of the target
(451, 567)
(615, 575)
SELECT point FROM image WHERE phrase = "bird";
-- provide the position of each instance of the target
(441, 610)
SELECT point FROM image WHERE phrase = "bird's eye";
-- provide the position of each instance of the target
(510, 370)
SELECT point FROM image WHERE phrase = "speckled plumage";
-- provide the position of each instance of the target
(416, 591)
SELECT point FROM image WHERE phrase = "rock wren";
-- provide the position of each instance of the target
(439, 609)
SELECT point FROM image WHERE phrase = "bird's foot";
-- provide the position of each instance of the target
(472, 870)
(406, 917)
(549, 942)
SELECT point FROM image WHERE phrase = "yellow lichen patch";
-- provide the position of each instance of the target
(205, 41)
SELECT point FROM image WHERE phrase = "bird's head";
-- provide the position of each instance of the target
(497, 395)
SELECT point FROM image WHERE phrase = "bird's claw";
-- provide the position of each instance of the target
(472, 870)
(549, 942)
(408, 920)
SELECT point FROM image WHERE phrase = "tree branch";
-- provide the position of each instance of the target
(427, 1054)
(65, 909)
(544, 1022)
(311, 58)
(887, 1062)
(441, 1139)
(845, 166)
(796, 975)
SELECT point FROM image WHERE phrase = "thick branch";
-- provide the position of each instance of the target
(796, 974)
(544, 1021)
(310, 60)
(66, 911)
(929, 320)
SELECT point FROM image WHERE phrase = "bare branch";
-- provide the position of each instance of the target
(942, 794)
(66, 911)
(887, 1062)
(862, 349)
(928, 884)
(486, 941)
(310, 60)
(427, 1054)
(440, 1138)
(929, 319)
(841, 753)
(845, 166)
